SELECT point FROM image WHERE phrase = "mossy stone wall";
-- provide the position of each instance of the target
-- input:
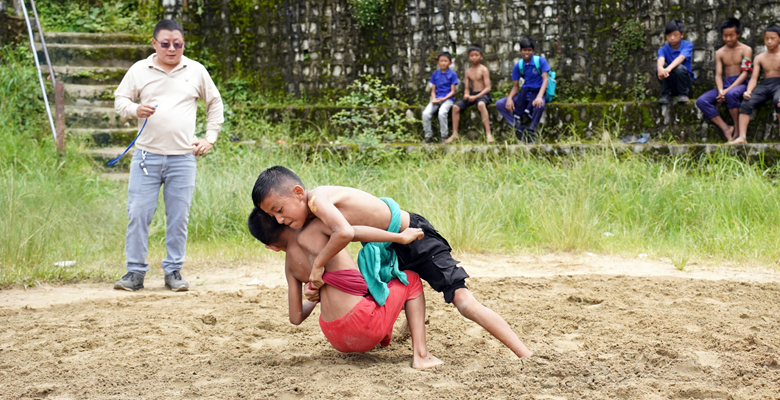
(315, 48)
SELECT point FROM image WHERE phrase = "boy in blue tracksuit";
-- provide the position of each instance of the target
(530, 100)
(445, 82)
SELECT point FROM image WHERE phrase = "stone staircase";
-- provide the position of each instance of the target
(92, 66)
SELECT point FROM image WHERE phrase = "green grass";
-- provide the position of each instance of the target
(56, 207)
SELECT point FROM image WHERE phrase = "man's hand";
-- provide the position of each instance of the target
(202, 147)
(538, 102)
(467, 97)
(409, 235)
(145, 110)
(316, 277)
(311, 295)
(746, 95)
(510, 104)
(663, 74)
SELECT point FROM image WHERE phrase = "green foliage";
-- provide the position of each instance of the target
(631, 37)
(368, 13)
(129, 16)
(378, 119)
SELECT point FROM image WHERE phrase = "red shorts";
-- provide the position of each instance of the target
(368, 323)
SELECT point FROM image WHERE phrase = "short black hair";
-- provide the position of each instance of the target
(474, 47)
(731, 23)
(527, 42)
(167, 25)
(444, 54)
(276, 178)
(674, 25)
(264, 227)
(773, 28)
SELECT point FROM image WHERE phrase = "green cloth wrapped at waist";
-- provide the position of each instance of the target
(378, 263)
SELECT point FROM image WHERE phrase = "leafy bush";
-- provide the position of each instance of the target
(129, 16)
(380, 120)
(367, 13)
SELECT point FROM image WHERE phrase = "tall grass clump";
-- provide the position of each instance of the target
(52, 207)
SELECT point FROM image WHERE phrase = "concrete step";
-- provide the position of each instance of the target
(102, 55)
(90, 95)
(106, 137)
(96, 118)
(90, 75)
(94, 38)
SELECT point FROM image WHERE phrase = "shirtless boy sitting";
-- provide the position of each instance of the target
(279, 192)
(769, 62)
(479, 94)
(732, 60)
(350, 319)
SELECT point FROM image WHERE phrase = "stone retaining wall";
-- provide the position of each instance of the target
(314, 47)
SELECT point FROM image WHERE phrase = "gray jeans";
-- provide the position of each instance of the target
(443, 110)
(177, 176)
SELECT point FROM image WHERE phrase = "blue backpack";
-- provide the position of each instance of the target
(550, 93)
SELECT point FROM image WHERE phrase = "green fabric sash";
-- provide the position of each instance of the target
(378, 263)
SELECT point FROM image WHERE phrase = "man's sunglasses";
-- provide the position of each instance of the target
(165, 45)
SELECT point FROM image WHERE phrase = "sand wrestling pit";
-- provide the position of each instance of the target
(600, 328)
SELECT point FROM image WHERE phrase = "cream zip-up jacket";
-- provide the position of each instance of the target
(171, 129)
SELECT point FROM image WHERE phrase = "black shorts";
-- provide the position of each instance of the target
(464, 104)
(769, 89)
(430, 258)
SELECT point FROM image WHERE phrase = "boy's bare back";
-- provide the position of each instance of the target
(476, 76)
(731, 58)
(769, 63)
(357, 206)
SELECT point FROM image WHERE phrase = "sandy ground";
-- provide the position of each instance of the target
(601, 328)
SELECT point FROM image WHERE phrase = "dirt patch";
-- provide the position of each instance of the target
(597, 332)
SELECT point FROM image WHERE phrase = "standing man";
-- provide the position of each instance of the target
(163, 91)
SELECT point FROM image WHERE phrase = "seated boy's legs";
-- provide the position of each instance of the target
(526, 109)
(428, 113)
(768, 89)
(509, 117)
(430, 257)
(678, 83)
(444, 112)
(707, 103)
(462, 105)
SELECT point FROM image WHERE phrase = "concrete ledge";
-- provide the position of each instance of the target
(766, 152)
(682, 123)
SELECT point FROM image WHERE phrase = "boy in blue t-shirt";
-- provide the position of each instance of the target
(673, 67)
(445, 82)
(530, 100)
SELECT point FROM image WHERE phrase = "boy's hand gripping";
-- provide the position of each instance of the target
(315, 279)
(409, 235)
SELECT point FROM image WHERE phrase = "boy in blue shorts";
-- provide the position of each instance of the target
(530, 100)
(733, 61)
(445, 82)
(673, 67)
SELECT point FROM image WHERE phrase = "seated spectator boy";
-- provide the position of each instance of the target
(769, 62)
(733, 60)
(479, 93)
(530, 100)
(673, 67)
(445, 82)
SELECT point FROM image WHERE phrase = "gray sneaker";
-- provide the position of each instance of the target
(665, 99)
(682, 98)
(132, 281)
(175, 282)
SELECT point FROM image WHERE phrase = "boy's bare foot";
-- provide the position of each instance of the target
(729, 133)
(490, 138)
(425, 362)
(739, 140)
(452, 138)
